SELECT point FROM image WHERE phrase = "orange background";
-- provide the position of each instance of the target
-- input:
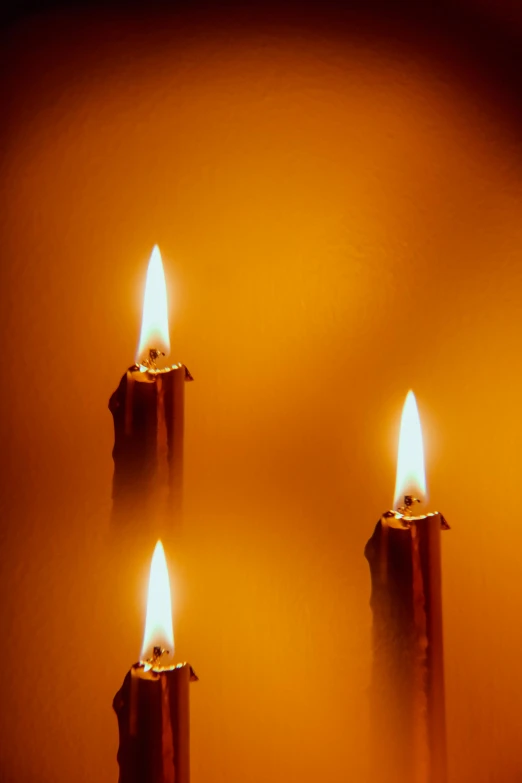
(339, 205)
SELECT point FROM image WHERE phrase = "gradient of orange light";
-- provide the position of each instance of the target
(342, 217)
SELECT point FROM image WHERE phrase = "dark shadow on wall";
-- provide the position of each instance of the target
(474, 40)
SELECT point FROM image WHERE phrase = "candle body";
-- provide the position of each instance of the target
(408, 710)
(152, 707)
(148, 408)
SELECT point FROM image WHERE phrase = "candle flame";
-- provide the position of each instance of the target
(411, 477)
(155, 320)
(158, 622)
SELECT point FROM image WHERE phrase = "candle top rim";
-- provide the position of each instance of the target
(144, 667)
(399, 517)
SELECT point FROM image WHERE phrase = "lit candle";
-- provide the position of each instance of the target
(148, 419)
(152, 705)
(404, 554)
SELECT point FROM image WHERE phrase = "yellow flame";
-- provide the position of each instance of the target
(158, 622)
(411, 476)
(155, 320)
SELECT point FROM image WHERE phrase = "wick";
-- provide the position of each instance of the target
(150, 362)
(407, 509)
(157, 653)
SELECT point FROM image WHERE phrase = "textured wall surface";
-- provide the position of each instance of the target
(338, 208)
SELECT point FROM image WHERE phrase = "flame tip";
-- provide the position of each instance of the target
(155, 321)
(158, 622)
(411, 478)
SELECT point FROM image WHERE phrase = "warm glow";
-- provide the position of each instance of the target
(158, 623)
(155, 320)
(411, 477)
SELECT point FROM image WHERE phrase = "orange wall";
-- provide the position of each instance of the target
(340, 218)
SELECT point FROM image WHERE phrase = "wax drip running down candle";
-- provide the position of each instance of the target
(152, 705)
(404, 553)
(148, 411)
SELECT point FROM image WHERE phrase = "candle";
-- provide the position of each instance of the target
(147, 408)
(408, 678)
(152, 705)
